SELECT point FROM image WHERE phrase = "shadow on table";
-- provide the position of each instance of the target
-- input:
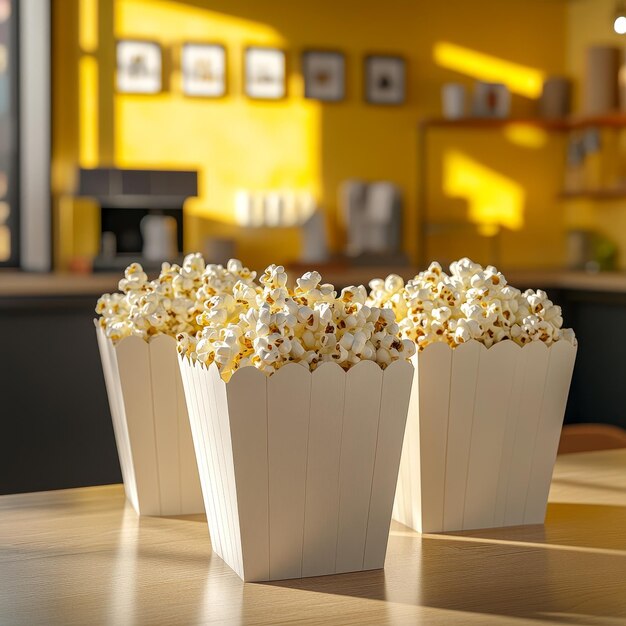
(568, 526)
(590, 486)
(193, 517)
(565, 572)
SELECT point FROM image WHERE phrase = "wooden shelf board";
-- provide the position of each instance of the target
(594, 194)
(495, 123)
(613, 120)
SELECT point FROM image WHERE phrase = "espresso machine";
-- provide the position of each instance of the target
(141, 214)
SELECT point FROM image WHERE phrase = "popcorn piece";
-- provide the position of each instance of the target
(471, 302)
(171, 303)
(272, 325)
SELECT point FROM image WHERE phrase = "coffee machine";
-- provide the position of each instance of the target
(141, 214)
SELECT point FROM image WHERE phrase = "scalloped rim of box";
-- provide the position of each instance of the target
(289, 366)
(430, 346)
(149, 340)
(505, 344)
(439, 345)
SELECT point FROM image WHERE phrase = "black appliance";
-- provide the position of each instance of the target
(125, 197)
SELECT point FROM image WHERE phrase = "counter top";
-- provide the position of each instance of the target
(82, 556)
(609, 282)
(24, 284)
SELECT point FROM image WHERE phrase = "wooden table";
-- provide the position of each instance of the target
(83, 557)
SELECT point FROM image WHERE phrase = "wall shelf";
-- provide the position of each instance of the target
(611, 120)
(557, 125)
(566, 124)
(594, 194)
(496, 123)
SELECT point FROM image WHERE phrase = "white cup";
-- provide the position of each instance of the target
(159, 237)
(243, 207)
(453, 100)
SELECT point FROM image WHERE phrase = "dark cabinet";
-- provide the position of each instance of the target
(598, 391)
(54, 414)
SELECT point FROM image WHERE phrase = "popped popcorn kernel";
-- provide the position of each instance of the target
(271, 325)
(171, 303)
(471, 302)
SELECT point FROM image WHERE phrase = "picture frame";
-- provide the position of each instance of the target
(385, 79)
(265, 71)
(324, 74)
(139, 66)
(203, 69)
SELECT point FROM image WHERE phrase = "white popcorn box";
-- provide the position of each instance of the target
(482, 435)
(299, 469)
(151, 425)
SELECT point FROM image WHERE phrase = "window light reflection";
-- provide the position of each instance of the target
(526, 135)
(520, 79)
(5, 233)
(493, 199)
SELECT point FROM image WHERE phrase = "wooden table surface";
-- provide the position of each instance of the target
(82, 557)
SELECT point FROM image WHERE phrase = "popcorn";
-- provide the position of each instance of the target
(471, 302)
(270, 325)
(172, 303)
(389, 292)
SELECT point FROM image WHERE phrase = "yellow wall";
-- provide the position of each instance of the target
(590, 22)
(64, 127)
(237, 143)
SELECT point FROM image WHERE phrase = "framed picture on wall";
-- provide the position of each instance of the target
(385, 79)
(204, 70)
(324, 75)
(138, 67)
(265, 70)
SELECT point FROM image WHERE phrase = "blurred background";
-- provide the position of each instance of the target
(357, 138)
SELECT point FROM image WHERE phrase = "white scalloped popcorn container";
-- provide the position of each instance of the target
(151, 425)
(482, 435)
(299, 469)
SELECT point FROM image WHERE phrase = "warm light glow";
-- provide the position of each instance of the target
(88, 112)
(88, 25)
(5, 243)
(526, 135)
(5, 10)
(5, 233)
(620, 25)
(520, 79)
(493, 199)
